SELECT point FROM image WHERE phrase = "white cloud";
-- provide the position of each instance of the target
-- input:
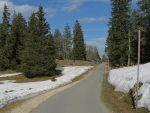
(26, 9)
(91, 19)
(72, 5)
(99, 43)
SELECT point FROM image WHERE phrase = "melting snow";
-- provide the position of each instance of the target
(124, 79)
(11, 92)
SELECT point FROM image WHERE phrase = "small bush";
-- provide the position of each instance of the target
(53, 79)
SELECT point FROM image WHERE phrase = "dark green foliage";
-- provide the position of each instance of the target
(38, 58)
(18, 31)
(136, 19)
(43, 26)
(144, 6)
(117, 42)
(79, 49)
(67, 43)
(32, 49)
(4, 40)
(54, 79)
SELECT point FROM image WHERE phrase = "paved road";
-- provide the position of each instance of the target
(84, 97)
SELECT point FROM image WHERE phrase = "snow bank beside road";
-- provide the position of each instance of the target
(11, 92)
(124, 79)
(9, 75)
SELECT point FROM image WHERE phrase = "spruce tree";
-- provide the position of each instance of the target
(39, 52)
(117, 42)
(67, 42)
(136, 19)
(18, 30)
(43, 26)
(144, 7)
(30, 54)
(79, 50)
(4, 37)
(47, 61)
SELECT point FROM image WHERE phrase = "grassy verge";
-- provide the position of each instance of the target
(9, 107)
(7, 72)
(73, 63)
(117, 102)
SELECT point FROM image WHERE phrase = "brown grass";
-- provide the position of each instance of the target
(7, 72)
(9, 107)
(73, 63)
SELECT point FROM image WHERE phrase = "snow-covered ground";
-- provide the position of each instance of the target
(11, 92)
(9, 75)
(124, 79)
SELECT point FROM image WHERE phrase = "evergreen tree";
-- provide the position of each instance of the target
(38, 57)
(59, 44)
(136, 19)
(117, 42)
(47, 61)
(79, 50)
(30, 54)
(43, 26)
(67, 42)
(4, 37)
(144, 6)
(18, 30)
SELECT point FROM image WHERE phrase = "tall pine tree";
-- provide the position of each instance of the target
(4, 37)
(144, 7)
(38, 58)
(117, 42)
(79, 49)
(18, 31)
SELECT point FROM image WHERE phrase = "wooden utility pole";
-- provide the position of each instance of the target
(138, 68)
(129, 53)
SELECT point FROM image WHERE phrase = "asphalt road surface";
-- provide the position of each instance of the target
(83, 97)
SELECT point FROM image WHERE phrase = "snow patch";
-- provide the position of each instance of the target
(9, 75)
(11, 92)
(124, 79)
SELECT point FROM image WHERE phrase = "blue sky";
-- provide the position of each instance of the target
(92, 14)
